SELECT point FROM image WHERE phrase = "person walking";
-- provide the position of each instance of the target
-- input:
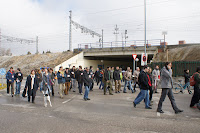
(41, 84)
(187, 81)
(47, 82)
(73, 78)
(101, 79)
(32, 85)
(136, 75)
(196, 96)
(167, 85)
(144, 88)
(87, 83)
(112, 69)
(52, 76)
(150, 84)
(61, 81)
(96, 75)
(92, 77)
(18, 79)
(106, 82)
(117, 80)
(67, 81)
(80, 80)
(128, 78)
(10, 76)
(156, 78)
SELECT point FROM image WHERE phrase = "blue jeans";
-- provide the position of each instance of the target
(41, 86)
(18, 88)
(80, 87)
(101, 85)
(130, 85)
(144, 94)
(87, 88)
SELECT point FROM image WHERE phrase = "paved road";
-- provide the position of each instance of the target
(102, 114)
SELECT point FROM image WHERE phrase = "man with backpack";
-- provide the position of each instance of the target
(10, 76)
(195, 81)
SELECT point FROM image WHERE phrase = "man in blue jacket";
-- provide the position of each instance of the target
(10, 76)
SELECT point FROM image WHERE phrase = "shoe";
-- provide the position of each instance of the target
(50, 105)
(133, 92)
(150, 104)
(81, 93)
(12, 95)
(61, 97)
(124, 92)
(104, 93)
(148, 108)
(160, 111)
(134, 105)
(33, 102)
(110, 94)
(88, 99)
(74, 91)
(118, 91)
(45, 105)
(156, 92)
(178, 111)
(85, 99)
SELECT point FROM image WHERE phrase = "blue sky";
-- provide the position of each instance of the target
(49, 20)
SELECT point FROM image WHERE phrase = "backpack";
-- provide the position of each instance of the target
(192, 81)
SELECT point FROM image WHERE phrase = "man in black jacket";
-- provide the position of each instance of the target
(116, 76)
(18, 79)
(107, 83)
(67, 80)
(144, 88)
(87, 83)
(97, 76)
(79, 78)
(73, 78)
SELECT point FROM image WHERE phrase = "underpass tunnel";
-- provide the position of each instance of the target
(123, 61)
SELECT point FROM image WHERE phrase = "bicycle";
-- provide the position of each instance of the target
(183, 87)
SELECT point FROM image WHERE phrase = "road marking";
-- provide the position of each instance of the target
(19, 105)
(69, 100)
(158, 114)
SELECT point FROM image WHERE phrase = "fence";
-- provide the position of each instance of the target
(178, 67)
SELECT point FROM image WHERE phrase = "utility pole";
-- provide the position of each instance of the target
(116, 35)
(37, 51)
(145, 35)
(102, 38)
(122, 41)
(70, 31)
(125, 37)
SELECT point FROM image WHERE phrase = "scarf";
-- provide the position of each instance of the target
(62, 72)
(32, 81)
(149, 80)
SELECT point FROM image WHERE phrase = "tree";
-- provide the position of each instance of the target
(29, 53)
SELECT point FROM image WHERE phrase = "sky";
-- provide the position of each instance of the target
(49, 20)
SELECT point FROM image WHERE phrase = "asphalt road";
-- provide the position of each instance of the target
(102, 114)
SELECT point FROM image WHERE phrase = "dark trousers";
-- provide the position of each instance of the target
(97, 80)
(52, 89)
(80, 86)
(167, 91)
(195, 97)
(135, 85)
(9, 84)
(29, 97)
(92, 85)
(151, 93)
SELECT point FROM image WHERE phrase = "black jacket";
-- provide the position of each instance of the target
(106, 75)
(79, 76)
(73, 73)
(187, 77)
(67, 76)
(87, 79)
(116, 75)
(19, 76)
(143, 81)
(35, 85)
(97, 74)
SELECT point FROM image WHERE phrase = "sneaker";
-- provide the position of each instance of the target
(74, 91)
(124, 92)
(134, 105)
(118, 91)
(160, 111)
(12, 95)
(148, 108)
(88, 99)
(178, 111)
(110, 94)
(45, 105)
(85, 99)
(50, 105)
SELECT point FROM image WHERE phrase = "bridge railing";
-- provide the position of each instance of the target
(120, 44)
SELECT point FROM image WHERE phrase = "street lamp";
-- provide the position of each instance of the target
(145, 45)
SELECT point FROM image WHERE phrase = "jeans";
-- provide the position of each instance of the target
(74, 84)
(41, 86)
(144, 94)
(187, 85)
(130, 85)
(80, 85)
(18, 88)
(87, 88)
(101, 84)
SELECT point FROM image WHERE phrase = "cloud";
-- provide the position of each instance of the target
(49, 20)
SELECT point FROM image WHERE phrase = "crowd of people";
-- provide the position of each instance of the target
(44, 80)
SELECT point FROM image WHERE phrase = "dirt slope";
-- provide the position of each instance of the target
(29, 62)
